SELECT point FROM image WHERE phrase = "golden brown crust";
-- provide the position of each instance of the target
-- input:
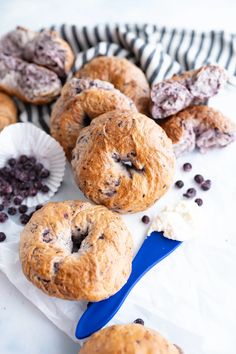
(72, 111)
(124, 75)
(210, 117)
(128, 339)
(124, 161)
(50, 261)
(8, 111)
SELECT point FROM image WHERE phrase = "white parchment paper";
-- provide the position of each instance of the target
(190, 296)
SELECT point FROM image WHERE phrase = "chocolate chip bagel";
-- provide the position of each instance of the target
(189, 88)
(8, 111)
(81, 101)
(202, 127)
(128, 339)
(32, 64)
(124, 75)
(77, 251)
(124, 161)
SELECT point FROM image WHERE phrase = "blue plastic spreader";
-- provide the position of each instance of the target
(98, 314)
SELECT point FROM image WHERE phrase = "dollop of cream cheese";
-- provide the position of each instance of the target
(177, 221)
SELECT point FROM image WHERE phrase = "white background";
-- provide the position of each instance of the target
(23, 329)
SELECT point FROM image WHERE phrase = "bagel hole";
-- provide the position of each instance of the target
(127, 163)
(86, 120)
(46, 236)
(77, 237)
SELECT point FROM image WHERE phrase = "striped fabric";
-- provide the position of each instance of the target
(159, 51)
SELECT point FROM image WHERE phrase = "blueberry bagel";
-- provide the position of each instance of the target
(189, 88)
(124, 161)
(199, 126)
(128, 339)
(124, 75)
(81, 101)
(8, 111)
(32, 64)
(44, 48)
(77, 251)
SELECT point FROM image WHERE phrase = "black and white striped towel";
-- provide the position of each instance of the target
(159, 51)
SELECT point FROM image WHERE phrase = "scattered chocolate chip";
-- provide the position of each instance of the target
(12, 211)
(39, 206)
(179, 184)
(3, 217)
(190, 193)
(24, 218)
(2, 236)
(66, 216)
(198, 201)
(23, 209)
(44, 173)
(199, 179)
(187, 166)
(139, 321)
(56, 267)
(145, 219)
(23, 158)
(206, 185)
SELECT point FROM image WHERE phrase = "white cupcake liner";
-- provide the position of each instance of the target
(25, 138)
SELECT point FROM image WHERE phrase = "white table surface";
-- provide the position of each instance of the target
(23, 329)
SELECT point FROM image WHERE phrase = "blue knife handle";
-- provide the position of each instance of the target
(98, 314)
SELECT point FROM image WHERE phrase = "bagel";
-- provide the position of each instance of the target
(32, 64)
(202, 127)
(8, 111)
(28, 82)
(124, 161)
(81, 101)
(124, 75)
(44, 48)
(189, 88)
(128, 339)
(76, 251)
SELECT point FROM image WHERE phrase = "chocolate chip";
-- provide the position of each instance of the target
(199, 179)
(66, 216)
(139, 321)
(11, 162)
(44, 189)
(39, 206)
(12, 211)
(3, 217)
(17, 200)
(179, 184)
(187, 166)
(206, 185)
(44, 173)
(101, 237)
(198, 201)
(1, 207)
(190, 193)
(23, 209)
(2, 236)
(24, 218)
(145, 219)
(23, 158)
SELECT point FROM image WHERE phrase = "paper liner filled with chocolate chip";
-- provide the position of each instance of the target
(189, 88)
(32, 166)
